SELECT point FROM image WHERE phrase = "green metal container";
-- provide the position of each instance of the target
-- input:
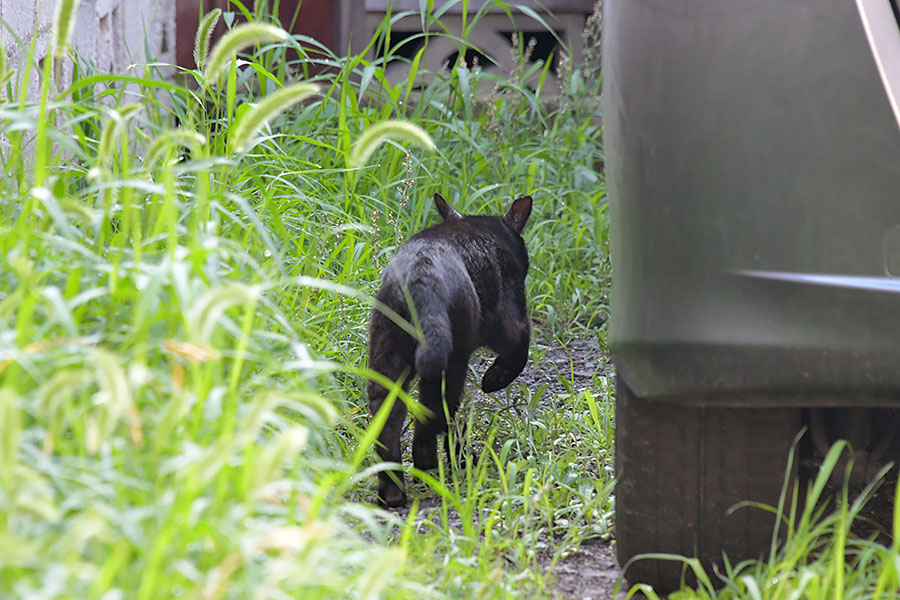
(753, 170)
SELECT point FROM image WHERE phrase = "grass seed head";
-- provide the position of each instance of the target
(254, 119)
(592, 38)
(239, 38)
(63, 24)
(377, 134)
(204, 35)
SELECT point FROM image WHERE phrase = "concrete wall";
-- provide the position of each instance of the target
(108, 34)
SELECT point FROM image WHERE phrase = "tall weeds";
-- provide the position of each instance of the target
(184, 278)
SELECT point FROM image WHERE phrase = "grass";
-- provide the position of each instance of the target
(820, 555)
(185, 268)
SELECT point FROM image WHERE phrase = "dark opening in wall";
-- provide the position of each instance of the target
(470, 58)
(545, 44)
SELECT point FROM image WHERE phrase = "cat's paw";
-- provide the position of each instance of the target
(390, 495)
(425, 455)
(496, 378)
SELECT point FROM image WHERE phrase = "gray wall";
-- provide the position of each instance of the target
(108, 33)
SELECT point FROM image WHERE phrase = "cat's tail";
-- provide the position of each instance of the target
(433, 352)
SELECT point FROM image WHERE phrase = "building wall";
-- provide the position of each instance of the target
(108, 34)
(320, 19)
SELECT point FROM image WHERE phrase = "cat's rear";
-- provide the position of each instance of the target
(461, 285)
(433, 279)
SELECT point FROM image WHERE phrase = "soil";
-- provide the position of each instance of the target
(591, 572)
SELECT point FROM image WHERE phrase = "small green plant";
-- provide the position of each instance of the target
(814, 553)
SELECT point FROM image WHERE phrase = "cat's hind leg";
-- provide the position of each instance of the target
(395, 365)
(424, 449)
(457, 369)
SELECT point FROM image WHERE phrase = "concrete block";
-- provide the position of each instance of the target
(135, 25)
(19, 16)
(108, 33)
(86, 33)
(44, 10)
(104, 7)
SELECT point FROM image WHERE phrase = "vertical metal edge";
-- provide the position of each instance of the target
(883, 33)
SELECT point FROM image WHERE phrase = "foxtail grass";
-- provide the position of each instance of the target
(256, 117)
(377, 134)
(239, 38)
(203, 36)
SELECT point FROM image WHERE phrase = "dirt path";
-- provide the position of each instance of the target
(591, 572)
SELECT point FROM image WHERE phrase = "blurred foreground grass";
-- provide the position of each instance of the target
(185, 270)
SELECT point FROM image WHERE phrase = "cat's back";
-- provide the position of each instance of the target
(425, 250)
(431, 256)
(461, 253)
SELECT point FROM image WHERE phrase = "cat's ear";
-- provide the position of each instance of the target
(448, 213)
(518, 213)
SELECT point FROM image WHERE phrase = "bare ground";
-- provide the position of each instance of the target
(591, 571)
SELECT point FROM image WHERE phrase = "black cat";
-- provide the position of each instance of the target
(466, 279)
